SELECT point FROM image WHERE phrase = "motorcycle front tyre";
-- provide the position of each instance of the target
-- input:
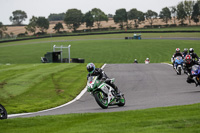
(101, 99)
(179, 71)
(122, 101)
(3, 112)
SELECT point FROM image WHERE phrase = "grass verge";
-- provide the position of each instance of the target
(184, 119)
(34, 87)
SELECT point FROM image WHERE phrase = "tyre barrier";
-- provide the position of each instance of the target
(77, 60)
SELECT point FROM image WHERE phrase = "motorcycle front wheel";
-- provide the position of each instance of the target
(101, 99)
(3, 112)
(122, 101)
(179, 71)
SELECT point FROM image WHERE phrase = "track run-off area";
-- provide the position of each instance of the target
(144, 86)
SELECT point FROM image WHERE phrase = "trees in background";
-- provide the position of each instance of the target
(174, 13)
(121, 17)
(57, 27)
(73, 18)
(42, 24)
(31, 27)
(150, 16)
(196, 12)
(98, 16)
(2, 29)
(136, 16)
(181, 14)
(188, 7)
(88, 19)
(18, 17)
(56, 17)
(165, 14)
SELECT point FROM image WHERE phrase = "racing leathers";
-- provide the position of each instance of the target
(102, 76)
(194, 55)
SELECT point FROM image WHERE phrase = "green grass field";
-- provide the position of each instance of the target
(34, 87)
(98, 50)
(184, 119)
(26, 85)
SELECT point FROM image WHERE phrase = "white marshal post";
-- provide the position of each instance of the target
(61, 47)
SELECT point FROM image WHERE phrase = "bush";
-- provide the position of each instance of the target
(147, 26)
(92, 30)
(40, 33)
(183, 24)
(21, 35)
(172, 25)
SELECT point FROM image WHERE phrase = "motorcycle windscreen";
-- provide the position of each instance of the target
(195, 69)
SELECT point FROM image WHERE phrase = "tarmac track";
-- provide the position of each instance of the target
(144, 86)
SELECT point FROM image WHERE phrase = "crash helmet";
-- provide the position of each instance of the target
(185, 50)
(188, 59)
(191, 50)
(135, 59)
(147, 58)
(178, 50)
(90, 67)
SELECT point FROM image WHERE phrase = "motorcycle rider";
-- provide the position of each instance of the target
(194, 55)
(177, 53)
(188, 66)
(135, 61)
(147, 61)
(185, 52)
(101, 76)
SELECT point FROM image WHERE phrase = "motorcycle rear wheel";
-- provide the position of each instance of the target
(101, 99)
(3, 112)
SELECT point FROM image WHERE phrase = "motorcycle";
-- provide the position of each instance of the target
(3, 112)
(178, 64)
(103, 93)
(195, 72)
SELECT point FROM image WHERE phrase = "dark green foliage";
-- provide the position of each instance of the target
(150, 16)
(196, 13)
(136, 15)
(121, 17)
(58, 26)
(18, 17)
(165, 14)
(56, 17)
(88, 19)
(2, 29)
(99, 16)
(181, 14)
(42, 24)
(73, 18)
(31, 27)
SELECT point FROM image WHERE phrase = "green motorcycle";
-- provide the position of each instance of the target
(103, 93)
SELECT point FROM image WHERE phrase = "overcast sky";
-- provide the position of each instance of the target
(45, 7)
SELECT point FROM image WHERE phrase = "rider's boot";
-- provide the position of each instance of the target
(118, 94)
(195, 81)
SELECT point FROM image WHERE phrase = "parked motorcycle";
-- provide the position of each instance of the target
(3, 112)
(195, 72)
(103, 93)
(178, 64)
